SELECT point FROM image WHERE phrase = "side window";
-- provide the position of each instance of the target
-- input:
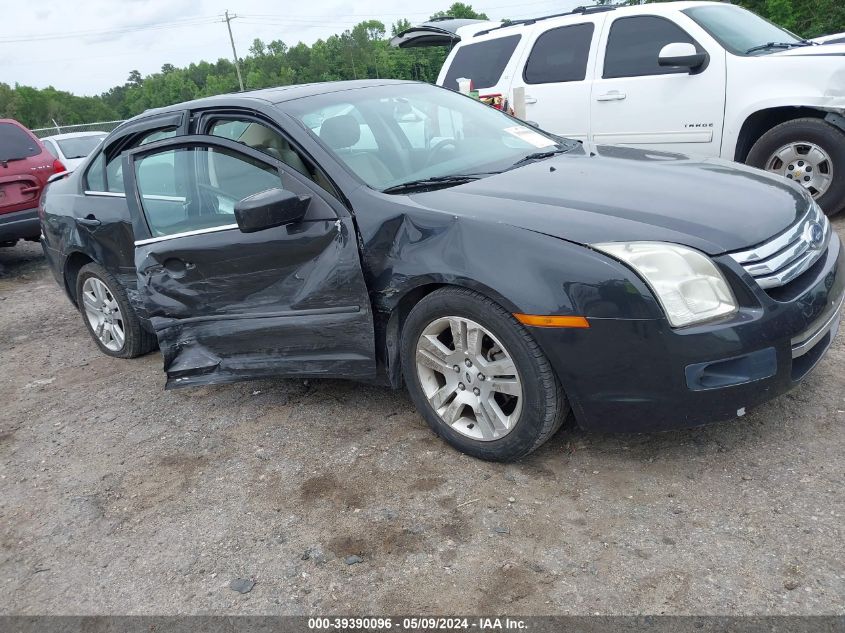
(634, 44)
(107, 176)
(483, 62)
(266, 140)
(95, 177)
(560, 55)
(190, 189)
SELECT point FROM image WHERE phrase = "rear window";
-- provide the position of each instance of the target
(16, 144)
(80, 146)
(484, 62)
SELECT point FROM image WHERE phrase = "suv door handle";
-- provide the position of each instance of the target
(530, 99)
(613, 95)
(88, 220)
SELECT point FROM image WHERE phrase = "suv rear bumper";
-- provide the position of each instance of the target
(641, 375)
(19, 225)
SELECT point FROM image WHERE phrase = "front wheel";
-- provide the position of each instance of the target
(478, 377)
(810, 152)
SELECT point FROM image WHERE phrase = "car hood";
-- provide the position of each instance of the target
(805, 51)
(611, 194)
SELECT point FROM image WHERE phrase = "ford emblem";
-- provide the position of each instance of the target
(814, 234)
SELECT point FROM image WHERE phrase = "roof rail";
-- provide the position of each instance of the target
(598, 8)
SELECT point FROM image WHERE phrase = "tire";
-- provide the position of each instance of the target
(535, 414)
(807, 131)
(136, 340)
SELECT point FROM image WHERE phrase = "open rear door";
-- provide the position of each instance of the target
(437, 32)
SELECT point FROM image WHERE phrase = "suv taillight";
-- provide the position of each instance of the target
(58, 167)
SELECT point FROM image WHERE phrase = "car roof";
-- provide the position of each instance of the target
(276, 95)
(61, 137)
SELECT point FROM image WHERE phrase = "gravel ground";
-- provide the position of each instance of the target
(119, 497)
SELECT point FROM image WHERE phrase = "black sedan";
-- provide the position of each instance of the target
(396, 231)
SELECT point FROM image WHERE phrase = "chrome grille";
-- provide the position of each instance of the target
(783, 258)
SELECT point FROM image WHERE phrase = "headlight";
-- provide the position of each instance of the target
(687, 283)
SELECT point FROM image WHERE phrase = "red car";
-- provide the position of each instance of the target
(25, 166)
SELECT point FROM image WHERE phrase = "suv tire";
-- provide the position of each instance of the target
(805, 133)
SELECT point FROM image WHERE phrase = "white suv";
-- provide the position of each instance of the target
(693, 77)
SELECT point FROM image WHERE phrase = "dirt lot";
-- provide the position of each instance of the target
(119, 497)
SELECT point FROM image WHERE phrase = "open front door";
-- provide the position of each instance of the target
(228, 305)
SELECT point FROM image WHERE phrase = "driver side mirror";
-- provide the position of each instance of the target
(681, 54)
(268, 209)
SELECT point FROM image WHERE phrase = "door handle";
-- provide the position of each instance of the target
(530, 99)
(613, 95)
(89, 220)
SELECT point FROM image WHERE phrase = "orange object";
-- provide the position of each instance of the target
(540, 320)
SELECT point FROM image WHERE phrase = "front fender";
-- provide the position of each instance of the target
(525, 271)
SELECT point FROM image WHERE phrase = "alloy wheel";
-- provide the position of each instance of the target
(103, 314)
(805, 163)
(469, 378)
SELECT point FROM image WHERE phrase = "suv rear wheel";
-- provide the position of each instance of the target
(478, 377)
(108, 316)
(809, 151)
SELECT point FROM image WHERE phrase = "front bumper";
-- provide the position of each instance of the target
(634, 375)
(19, 225)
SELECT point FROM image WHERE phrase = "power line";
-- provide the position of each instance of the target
(196, 21)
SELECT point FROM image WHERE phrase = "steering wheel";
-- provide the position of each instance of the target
(438, 149)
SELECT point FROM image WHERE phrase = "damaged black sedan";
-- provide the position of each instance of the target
(401, 232)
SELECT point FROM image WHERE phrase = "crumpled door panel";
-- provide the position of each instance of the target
(229, 306)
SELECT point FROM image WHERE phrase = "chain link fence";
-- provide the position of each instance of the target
(100, 126)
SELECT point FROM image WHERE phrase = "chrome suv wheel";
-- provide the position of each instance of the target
(806, 163)
(478, 377)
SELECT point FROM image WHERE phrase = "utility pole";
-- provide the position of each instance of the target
(228, 20)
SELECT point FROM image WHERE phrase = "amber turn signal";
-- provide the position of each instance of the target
(540, 320)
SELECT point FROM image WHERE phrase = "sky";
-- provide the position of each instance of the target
(88, 46)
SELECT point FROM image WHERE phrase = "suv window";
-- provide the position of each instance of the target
(107, 176)
(483, 62)
(634, 45)
(560, 55)
(16, 144)
(189, 189)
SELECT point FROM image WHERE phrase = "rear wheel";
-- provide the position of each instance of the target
(810, 152)
(108, 316)
(478, 377)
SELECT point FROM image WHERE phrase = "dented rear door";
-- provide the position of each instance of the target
(227, 305)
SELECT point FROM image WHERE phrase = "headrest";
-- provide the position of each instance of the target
(340, 131)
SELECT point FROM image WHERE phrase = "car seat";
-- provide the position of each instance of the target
(341, 133)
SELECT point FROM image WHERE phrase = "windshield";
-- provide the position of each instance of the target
(16, 144)
(79, 146)
(395, 134)
(739, 30)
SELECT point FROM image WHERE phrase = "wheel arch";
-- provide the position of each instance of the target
(399, 305)
(758, 123)
(73, 264)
